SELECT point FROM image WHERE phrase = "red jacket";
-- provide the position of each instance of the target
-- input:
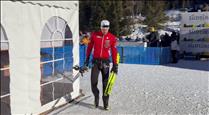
(102, 45)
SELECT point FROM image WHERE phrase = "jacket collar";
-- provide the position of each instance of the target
(101, 34)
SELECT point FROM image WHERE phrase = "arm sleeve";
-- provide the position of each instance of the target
(157, 36)
(90, 46)
(114, 51)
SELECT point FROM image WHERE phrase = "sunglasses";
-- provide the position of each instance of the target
(105, 26)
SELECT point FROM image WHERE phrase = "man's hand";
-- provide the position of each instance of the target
(86, 63)
(114, 68)
(81, 69)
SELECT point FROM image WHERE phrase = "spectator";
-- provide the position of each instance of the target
(153, 38)
(166, 40)
(174, 49)
(137, 39)
(85, 40)
(178, 37)
(128, 38)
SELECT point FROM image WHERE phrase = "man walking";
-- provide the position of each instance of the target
(102, 42)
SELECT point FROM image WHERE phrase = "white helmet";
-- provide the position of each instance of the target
(105, 23)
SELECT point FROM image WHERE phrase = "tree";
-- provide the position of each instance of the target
(99, 10)
(127, 17)
(98, 13)
(114, 14)
(138, 6)
(154, 13)
(205, 7)
(85, 12)
(173, 4)
(121, 13)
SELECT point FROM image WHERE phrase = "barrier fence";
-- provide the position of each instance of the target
(138, 55)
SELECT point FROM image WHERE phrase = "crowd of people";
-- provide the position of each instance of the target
(154, 40)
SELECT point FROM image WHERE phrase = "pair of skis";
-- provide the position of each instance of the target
(111, 79)
(110, 83)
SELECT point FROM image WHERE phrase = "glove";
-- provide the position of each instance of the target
(86, 63)
(114, 68)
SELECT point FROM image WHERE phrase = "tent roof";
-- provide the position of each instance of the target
(57, 4)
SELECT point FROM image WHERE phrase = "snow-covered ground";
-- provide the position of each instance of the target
(150, 89)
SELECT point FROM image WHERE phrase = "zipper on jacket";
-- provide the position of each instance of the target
(102, 46)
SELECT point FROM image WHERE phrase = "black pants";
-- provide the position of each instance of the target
(100, 65)
(174, 54)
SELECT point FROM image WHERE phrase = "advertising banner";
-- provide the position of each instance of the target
(194, 33)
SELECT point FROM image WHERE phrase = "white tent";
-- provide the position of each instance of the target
(27, 27)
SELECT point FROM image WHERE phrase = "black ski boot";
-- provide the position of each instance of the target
(96, 102)
(106, 108)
